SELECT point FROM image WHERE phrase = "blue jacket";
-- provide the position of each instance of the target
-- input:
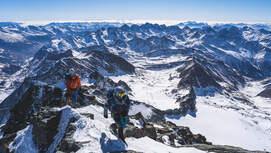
(116, 107)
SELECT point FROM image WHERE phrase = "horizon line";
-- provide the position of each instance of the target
(134, 21)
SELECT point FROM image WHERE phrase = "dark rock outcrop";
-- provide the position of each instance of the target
(68, 144)
(45, 127)
(181, 135)
(265, 93)
(40, 105)
(194, 74)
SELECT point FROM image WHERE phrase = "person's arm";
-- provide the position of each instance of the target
(128, 105)
(110, 97)
(79, 83)
(108, 104)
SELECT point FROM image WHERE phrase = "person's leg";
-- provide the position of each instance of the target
(70, 101)
(117, 121)
(115, 126)
(123, 121)
(120, 134)
(69, 98)
(121, 124)
(74, 99)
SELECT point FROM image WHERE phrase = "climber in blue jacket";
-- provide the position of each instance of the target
(119, 104)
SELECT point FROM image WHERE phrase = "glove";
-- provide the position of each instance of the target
(105, 115)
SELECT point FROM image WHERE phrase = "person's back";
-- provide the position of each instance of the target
(73, 82)
(73, 85)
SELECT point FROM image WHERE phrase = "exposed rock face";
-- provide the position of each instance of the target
(147, 130)
(53, 67)
(12, 100)
(193, 73)
(124, 85)
(265, 93)
(187, 102)
(113, 60)
(177, 135)
(45, 128)
(68, 144)
(182, 135)
(38, 107)
(21, 112)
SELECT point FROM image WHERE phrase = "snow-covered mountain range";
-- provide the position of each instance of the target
(215, 80)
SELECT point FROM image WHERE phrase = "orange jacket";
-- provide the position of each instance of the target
(73, 82)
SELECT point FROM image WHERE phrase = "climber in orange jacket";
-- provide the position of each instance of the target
(73, 85)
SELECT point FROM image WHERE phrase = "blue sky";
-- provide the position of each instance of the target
(182, 10)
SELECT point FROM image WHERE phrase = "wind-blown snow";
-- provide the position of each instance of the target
(24, 142)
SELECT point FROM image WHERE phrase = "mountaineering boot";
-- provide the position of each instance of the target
(121, 136)
(113, 129)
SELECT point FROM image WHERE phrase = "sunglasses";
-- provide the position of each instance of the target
(121, 94)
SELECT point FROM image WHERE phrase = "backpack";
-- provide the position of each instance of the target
(71, 82)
